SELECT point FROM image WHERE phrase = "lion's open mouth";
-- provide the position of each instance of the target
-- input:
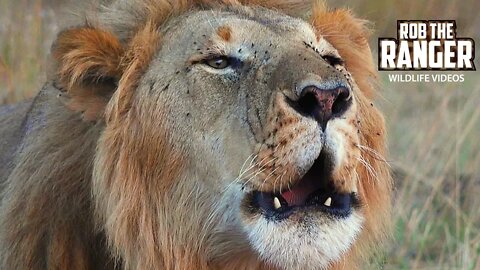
(313, 192)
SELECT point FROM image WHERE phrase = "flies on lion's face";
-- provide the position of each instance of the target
(280, 123)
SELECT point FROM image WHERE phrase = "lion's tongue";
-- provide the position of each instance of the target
(298, 194)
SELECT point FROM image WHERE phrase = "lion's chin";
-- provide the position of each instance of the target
(309, 225)
(308, 242)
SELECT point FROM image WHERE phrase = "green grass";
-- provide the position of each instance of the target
(434, 128)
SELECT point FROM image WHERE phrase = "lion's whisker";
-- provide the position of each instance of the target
(370, 169)
(373, 153)
(262, 168)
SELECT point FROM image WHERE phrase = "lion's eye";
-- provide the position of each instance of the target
(219, 62)
(333, 60)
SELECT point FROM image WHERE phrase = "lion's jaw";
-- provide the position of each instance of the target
(319, 215)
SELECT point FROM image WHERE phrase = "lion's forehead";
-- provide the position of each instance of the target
(256, 30)
(261, 25)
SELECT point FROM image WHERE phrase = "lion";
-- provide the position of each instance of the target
(199, 134)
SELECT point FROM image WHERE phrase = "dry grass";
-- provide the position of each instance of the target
(27, 29)
(434, 131)
(434, 128)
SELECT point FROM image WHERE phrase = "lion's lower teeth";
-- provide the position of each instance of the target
(328, 202)
(276, 203)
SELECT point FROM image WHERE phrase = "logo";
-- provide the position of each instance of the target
(426, 45)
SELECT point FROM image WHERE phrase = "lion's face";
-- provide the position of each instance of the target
(231, 134)
(269, 114)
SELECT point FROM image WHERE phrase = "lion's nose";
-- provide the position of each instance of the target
(324, 103)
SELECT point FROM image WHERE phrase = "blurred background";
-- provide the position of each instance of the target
(434, 128)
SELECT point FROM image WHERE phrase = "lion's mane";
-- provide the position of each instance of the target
(74, 172)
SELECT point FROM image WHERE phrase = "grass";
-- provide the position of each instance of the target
(433, 128)
(434, 147)
(27, 28)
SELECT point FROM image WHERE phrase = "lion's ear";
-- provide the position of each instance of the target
(349, 35)
(87, 69)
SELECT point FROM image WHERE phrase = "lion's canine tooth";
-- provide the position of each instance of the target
(276, 203)
(328, 202)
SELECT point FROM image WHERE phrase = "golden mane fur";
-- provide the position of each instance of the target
(117, 198)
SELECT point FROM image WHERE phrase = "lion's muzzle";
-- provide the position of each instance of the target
(302, 144)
